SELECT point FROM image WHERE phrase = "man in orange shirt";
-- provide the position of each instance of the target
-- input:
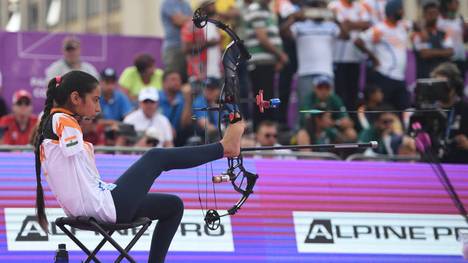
(16, 128)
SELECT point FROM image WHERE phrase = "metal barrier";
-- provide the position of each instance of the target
(381, 157)
(139, 150)
(296, 155)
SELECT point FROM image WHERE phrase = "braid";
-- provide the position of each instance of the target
(40, 204)
(58, 93)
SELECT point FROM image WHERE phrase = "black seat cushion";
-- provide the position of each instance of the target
(84, 223)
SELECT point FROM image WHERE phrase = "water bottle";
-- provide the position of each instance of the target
(61, 256)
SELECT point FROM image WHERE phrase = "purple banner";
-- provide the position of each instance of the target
(301, 211)
(24, 56)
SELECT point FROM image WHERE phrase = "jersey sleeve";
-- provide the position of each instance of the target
(69, 133)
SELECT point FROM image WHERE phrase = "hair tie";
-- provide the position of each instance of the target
(58, 80)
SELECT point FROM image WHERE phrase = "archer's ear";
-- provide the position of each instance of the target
(75, 98)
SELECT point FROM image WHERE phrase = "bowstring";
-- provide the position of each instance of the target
(206, 123)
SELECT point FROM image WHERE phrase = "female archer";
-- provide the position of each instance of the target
(70, 168)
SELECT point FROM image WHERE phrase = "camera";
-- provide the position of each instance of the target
(126, 130)
(430, 92)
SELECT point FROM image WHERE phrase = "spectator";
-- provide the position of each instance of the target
(207, 121)
(386, 46)
(387, 131)
(3, 106)
(264, 44)
(373, 99)
(174, 14)
(322, 96)
(114, 104)
(147, 116)
(347, 58)
(142, 74)
(176, 105)
(319, 129)
(456, 28)
(93, 132)
(314, 40)
(432, 46)
(375, 9)
(71, 60)
(286, 8)
(201, 47)
(17, 126)
(267, 135)
(457, 141)
(229, 13)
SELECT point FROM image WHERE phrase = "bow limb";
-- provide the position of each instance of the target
(242, 180)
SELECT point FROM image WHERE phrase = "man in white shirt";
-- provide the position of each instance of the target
(386, 45)
(147, 120)
(354, 18)
(71, 61)
(314, 41)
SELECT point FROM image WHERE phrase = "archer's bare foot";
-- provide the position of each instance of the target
(232, 139)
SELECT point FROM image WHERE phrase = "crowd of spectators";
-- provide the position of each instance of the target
(310, 52)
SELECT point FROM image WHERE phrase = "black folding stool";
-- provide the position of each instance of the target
(106, 230)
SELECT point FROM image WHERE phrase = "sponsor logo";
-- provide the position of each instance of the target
(24, 233)
(332, 232)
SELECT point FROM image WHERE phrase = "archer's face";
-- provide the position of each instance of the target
(88, 106)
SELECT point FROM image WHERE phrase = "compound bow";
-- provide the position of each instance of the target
(228, 109)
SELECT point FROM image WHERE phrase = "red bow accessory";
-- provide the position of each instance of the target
(58, 80)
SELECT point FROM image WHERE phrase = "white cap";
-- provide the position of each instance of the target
(148, 93)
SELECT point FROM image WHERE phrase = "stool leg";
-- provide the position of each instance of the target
(113, 242)
(72, 237)
(98, 247)
(134, 240)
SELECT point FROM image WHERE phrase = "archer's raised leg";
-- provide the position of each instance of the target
(134, 184)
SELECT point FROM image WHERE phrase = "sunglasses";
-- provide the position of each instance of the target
(149, 101)
(69, 48)
(23, 102)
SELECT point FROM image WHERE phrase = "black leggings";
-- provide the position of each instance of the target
(132, 200)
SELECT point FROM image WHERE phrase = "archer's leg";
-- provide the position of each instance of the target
(134, 184)
(168, 210)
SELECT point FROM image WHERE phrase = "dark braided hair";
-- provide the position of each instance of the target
(58, 93)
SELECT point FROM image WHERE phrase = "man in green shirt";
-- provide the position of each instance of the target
(322, 96)
(142, 74)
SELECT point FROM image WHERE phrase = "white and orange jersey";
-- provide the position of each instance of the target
(453, 29)
(389, 44)
(345, 51)
(375, 9)
(70, 170)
